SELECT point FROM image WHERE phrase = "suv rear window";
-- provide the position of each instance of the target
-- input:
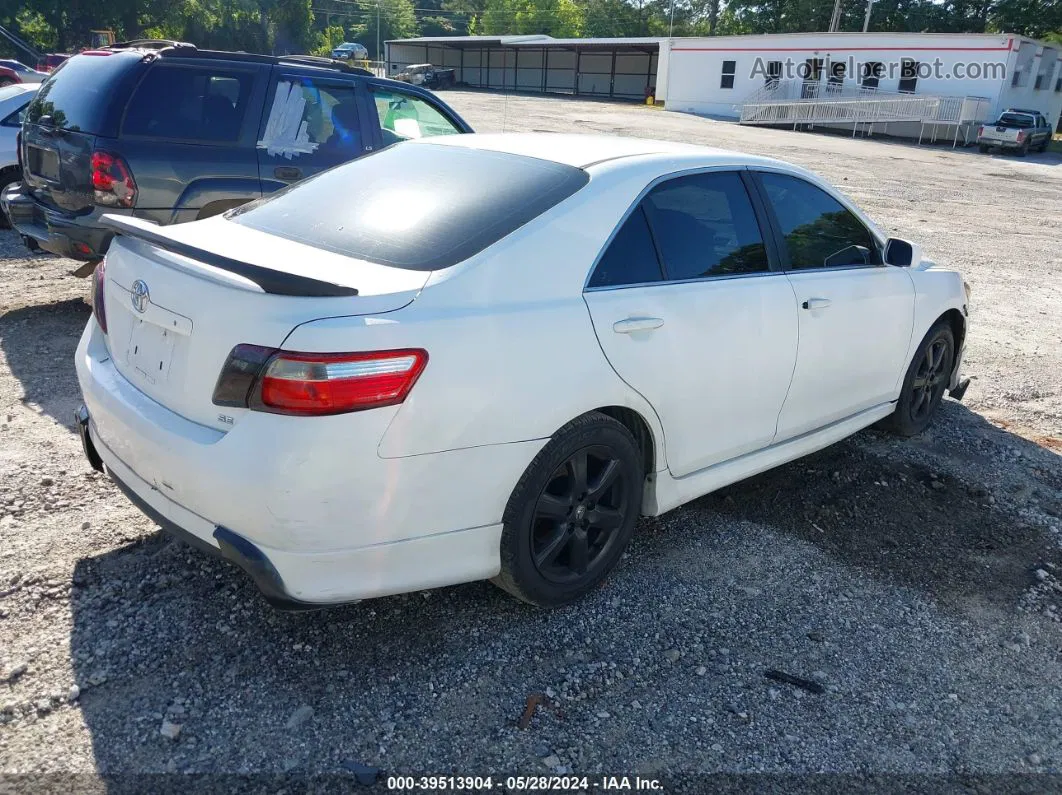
(1016, 120)
(415, 206)
(83, 94)
(190, 104)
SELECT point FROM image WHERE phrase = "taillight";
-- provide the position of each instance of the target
(286, 382)
(112, 181)
(980, 131)
(99, 309)
(1021, 136)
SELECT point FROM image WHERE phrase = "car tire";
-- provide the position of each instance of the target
(924, 384)
(564, 529)
(8, 177)
(983, 148)
(1023, 150)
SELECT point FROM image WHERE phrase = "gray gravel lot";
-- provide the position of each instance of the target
(919, 582)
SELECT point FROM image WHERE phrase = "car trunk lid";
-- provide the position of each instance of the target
(178, 302)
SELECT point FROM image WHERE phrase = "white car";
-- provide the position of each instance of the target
(25, 73)
(493, 354)
(13, 102)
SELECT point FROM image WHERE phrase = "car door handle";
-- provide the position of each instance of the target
(287, 173)
(816, 303)
(632, 324)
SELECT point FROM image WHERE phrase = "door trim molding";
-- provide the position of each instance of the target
(670, 492)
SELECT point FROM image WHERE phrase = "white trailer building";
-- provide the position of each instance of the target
(938, 84)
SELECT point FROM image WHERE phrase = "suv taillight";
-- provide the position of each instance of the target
(1021, 136)
(112, 181)
(980, 131)
(99, 309)
(309, 384)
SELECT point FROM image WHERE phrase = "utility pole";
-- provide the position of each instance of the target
(835, 19)
(671, 29)
(866, 19)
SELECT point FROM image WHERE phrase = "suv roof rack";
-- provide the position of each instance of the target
(327, 63)
(167, 47)
(151, 44)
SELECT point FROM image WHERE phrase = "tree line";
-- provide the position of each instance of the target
(315, 26)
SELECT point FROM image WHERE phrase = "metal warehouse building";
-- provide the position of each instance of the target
(613, 68)
(903, 83)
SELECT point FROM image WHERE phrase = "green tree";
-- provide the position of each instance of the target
(397, 20)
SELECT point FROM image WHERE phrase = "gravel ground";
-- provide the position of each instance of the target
(917, 584)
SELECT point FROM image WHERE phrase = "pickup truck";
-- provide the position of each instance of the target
(1017, 129)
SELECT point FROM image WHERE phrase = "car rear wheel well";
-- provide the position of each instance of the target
(639, 428)
(218, 207)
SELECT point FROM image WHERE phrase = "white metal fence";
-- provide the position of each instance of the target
(797, 102)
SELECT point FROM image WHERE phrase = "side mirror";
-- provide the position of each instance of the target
(902, 253)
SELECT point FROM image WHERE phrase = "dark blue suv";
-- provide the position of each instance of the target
(171, 133)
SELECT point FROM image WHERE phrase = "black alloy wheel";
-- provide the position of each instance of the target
(930, 380)
(926, 380)
(572, 512)
(578, 515)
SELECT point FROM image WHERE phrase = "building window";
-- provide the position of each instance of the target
(1058, 86)
(812, 71)
(729, 69)
(835, 79)
(908, 75)
(1039, 83)
(872, 71)
(1016, 79)
(774, 72)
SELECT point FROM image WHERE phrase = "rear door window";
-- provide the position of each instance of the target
(631, 256)
(405, 116)
(189, 103)
(705, 226)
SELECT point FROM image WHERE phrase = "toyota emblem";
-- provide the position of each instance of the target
(140, 295)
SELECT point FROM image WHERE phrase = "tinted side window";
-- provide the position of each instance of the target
(819, 231)
(705, 226)
(81, 93)
(404, 116)
(313, 120)
(15, 119)
(630, 257)
(189, 104)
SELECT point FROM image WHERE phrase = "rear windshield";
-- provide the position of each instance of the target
(83, 92)
(415, 206)
(1015, 120)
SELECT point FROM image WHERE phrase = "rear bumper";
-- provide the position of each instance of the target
(295, 580)
(308, 509)
(77, 237)
(999, 144)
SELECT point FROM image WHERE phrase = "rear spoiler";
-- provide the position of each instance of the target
(271, 281)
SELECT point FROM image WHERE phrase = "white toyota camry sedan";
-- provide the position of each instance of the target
(484, 357)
